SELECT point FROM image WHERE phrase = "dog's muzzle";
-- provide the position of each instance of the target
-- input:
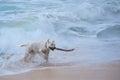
(52, 48)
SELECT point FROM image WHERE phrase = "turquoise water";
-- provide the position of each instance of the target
(92, 27)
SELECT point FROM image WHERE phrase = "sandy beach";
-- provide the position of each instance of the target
(95, 72)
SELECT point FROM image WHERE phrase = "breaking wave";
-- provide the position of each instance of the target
(110, 33)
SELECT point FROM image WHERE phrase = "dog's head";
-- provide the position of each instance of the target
(50, 44)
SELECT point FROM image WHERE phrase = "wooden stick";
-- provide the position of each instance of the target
(67, 50)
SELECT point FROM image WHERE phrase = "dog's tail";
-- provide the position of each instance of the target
(23, 45)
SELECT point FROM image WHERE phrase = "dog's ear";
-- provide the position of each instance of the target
(48, 40)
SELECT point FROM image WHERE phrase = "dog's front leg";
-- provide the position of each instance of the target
(46, 57)
(26, 57)
(45, 54)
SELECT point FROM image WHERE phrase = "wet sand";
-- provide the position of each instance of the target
(109, 71)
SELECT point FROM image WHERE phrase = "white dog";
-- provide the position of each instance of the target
(40, 47)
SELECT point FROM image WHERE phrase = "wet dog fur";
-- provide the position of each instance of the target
(39, 47)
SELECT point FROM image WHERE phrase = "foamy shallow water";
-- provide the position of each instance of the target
(91, 27)
(84, 54)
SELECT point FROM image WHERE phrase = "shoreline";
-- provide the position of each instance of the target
(109, 71)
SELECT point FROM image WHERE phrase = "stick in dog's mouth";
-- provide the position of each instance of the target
(67, 50)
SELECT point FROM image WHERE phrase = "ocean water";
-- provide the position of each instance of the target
(92, 27)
